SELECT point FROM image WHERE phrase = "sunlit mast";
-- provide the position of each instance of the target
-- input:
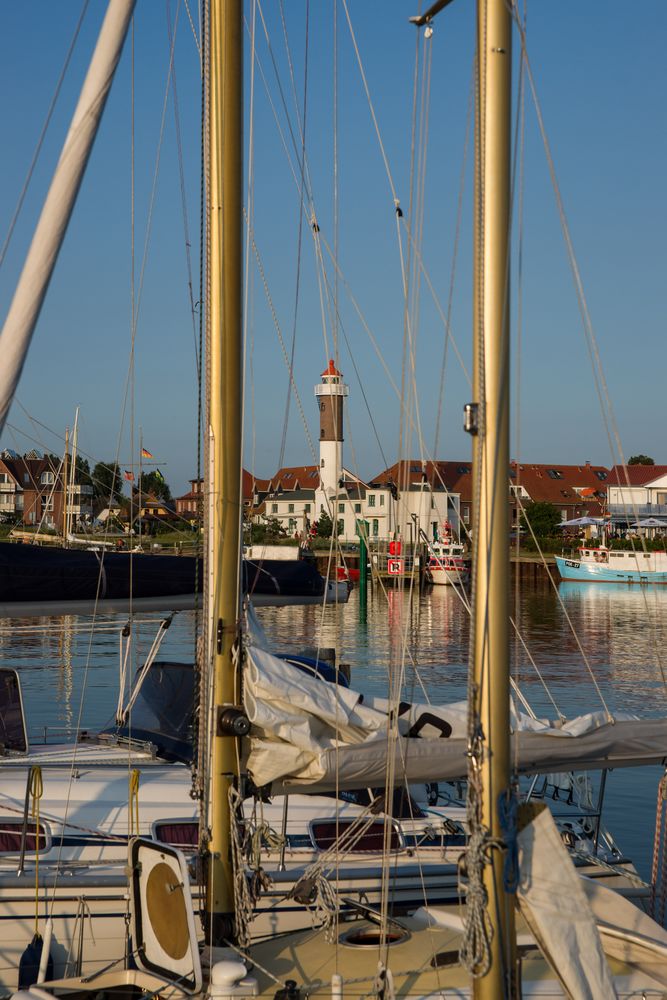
(487, 418)
(489, 710)
(225, 207)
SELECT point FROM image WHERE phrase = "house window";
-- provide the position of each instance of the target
(306, 508)
(563, 514)
(4, 478)
(600, 474)
(466, 515)
(341, 508)
(47, 479)
(47, 503)
(290, 508)
(292, 524)
(357, 508)
(554, 474)
(341, 525)
(376, 527)
(26, 477)
(274, 508)
(382, 499)
(371, 500)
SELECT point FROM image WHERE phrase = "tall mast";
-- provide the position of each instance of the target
(65, 474)
(50, 232)
(225, 207)
(490, 653)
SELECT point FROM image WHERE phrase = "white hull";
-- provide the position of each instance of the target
(86, 893)
(447, 565)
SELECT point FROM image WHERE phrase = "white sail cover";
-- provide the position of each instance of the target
(307, 732)
(553, 903)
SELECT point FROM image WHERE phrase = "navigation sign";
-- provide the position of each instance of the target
(395, 567)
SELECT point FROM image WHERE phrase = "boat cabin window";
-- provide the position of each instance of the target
(11, 837)
(12, 724)
(182, 834)
(325, 832)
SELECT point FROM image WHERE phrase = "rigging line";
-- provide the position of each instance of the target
(136, 298)
(411, 289)
(591, 341)
(156, 168)
(420, 201)
(519, 156)
(441, 312)
(302, 164)
(184, 205)
(200, 376)
(281, 340)
(340, 325)
(455, 254)
(248, 323)
(194, 32)
(406, 410)
(295, 144)
(370, 105)
(611, 426)
(565, 612)
(42, 134)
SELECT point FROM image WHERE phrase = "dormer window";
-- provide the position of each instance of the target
(47, 479)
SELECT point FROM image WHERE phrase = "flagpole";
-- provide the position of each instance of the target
(141, 450)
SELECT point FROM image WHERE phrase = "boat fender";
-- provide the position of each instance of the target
(30, 962)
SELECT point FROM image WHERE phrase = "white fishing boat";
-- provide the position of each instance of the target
(447, 562)
(308, 734)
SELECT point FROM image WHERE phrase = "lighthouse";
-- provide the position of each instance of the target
(330, 394)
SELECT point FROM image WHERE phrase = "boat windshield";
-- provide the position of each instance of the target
(162, 713)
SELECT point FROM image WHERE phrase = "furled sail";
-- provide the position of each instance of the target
(306, 732)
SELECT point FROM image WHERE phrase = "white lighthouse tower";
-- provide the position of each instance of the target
(330, 395)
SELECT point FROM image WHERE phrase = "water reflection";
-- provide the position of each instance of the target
(423, 638)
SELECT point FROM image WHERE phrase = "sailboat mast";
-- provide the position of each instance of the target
(490, 654)
(225, 208)
(50, 232)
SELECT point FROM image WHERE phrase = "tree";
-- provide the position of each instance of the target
(640, 460)
(82, 475)
(324, 526)
(107, 482)
(155, 484)
(271, 531)
(542, 517)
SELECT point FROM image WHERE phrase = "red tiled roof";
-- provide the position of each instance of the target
(635, 475)
(563, 487)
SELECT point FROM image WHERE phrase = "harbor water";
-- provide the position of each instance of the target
(581, 647)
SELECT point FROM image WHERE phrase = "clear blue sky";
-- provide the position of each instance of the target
(602, 82)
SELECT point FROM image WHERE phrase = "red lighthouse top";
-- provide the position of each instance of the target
(331, 370)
